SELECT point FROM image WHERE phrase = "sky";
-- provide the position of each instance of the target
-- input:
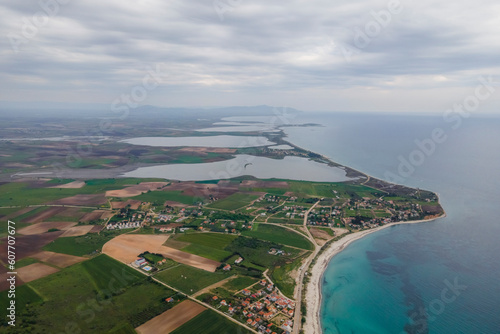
(314, 55)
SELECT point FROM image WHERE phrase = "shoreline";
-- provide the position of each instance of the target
(314, 286)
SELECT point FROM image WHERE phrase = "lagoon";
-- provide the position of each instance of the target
(292, 168)
(201, 141)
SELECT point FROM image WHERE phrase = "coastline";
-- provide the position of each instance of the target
(313, 289)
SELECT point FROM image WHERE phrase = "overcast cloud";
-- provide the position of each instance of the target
(312, 54)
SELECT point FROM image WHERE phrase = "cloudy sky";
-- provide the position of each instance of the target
(359, 55)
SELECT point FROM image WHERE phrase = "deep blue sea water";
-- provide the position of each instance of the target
(437, 277)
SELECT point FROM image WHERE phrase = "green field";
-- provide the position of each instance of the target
(255, 251)
(25, 298)
(279, 235)
(234, 201)
(91, 297)
(209, 245)
(21, 193)
(25, 262)
(82, 245)
(214, 240)
(209, 322)
(158, 198)
(188, 279)
(208, 252)
(103, 269)
(239, 283)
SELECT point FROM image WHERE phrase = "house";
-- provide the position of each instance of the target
(238, 260)
(140, 262)
(223, 302)
(215, 298)
(227, 267)
(246, 292)
(169, 300)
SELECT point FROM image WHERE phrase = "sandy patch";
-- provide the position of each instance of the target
(77, 231)
(35, 271)
(339, 231)
(127, 247)
(170, 320)
(71, 185)
(136, 190)
(40, 228)
(57, 259)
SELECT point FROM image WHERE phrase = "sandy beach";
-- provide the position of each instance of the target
(313, 303)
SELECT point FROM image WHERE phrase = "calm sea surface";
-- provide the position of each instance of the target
(438, 277)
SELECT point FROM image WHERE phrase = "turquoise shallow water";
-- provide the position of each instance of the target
(438, 277)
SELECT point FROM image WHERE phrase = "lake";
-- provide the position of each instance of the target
(293, 168)
(201, 141)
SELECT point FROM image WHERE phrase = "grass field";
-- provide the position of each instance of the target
(209, 245)
(82, 245)
(239, 283)
(25, 262)
(208, 252)
(214, 240)
(255, 251)
(102, 269)
(24, 295)
(234, 202)
(190, 280)
(279, 235)
(158, 198)
(210, 322)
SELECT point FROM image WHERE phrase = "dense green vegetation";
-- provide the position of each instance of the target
(209, 322)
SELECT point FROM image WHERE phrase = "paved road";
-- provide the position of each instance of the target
(298, 289)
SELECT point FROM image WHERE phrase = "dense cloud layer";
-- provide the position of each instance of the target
(314, 55)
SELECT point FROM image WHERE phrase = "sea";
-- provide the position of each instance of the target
(435, 277)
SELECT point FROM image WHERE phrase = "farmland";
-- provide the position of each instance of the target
(103, 284)
(209, 245)
(234, 202)
(210, 322)
(279, 235)
(158, 198)
(81, 245)
(190, 280)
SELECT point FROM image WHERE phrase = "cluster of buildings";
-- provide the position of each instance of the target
(122, 225)
(142, 263)
(261, 307)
